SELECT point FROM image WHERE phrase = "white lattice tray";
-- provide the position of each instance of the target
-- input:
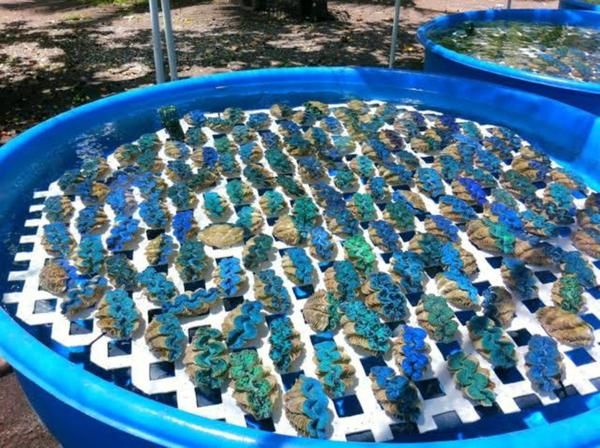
(132, 365)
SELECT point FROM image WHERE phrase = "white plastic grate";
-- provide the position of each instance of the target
(170, 383)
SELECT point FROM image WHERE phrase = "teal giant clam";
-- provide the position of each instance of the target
(306, 408)
(241, 325)
(334, 368)
(396, 394)
(207, 359)
(117, 315)
(165, 337)
(254, 388)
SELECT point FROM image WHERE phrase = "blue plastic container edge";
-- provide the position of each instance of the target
(167, 426)
(566, 16)
(578, 4)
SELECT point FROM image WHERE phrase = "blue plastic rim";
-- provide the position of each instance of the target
(439, 59)
(578, 4)
(83, 410)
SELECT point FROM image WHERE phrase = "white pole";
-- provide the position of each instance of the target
(171, 54)
(156, 46)
(394, 33)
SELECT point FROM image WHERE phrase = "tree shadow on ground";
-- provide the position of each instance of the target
(123, 7)
(403, 3)
(88, 59)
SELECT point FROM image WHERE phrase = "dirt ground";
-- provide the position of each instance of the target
(19, 426)
(56, 54)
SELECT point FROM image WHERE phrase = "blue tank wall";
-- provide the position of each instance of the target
(83, 410)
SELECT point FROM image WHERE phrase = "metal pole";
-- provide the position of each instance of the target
(508, 4)
(394, 33)
(156, 46)
(171, 55)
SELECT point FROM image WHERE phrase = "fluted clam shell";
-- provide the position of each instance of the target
(331, 283)
(593, 202)
(354, 210)
(222, 236)
(264, 205)
(228, 322)
(293, 402)
(353, 338)
(281, 111)
(48, 247)
(99, 191)
(153, 250)
(372, 301)
(209, 179)
(529, 153)
(423, 319)
(257, 222)
(469, 262)
(561, 177)
(415, 244)
(106, 322)
(586, 243)
(557, 298)
(453, 294)
(567, 328)
(414, 199)
(261, 294)
(388, 406)
(390, 177)
(172, 149)
(419, 144)
(53, 278)
(335, 227)
(479, 235)
(505, 307)
(484, 372)
(398, 350)
(285, 230)
(316, 311)
(161, 187)
(522, 165)
(376, 239)
(347, 374)
(531, 254)
(508, 279)
(67, 209)
(585, 221)
(243, 401)
(241, 284)
(447, 211)
(193, 369)
(290, 269)
(157, 342)
(478, 344)
(101, 221)
(432, 228)
(461, 192)
(296, 351)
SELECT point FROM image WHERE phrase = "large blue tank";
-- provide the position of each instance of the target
(81, 409)
(578, 4)
(442, 60)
